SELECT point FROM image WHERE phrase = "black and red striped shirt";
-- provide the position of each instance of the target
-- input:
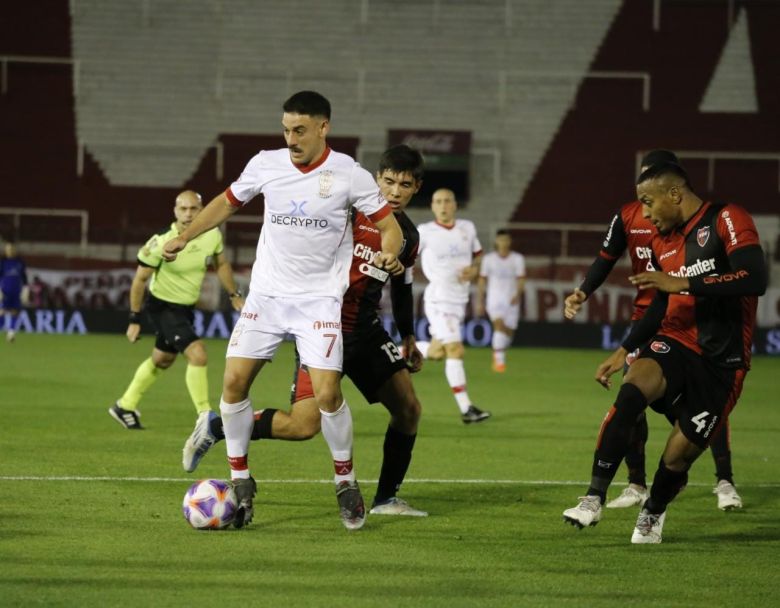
(629, 231)
(362, 299)
(719, 327)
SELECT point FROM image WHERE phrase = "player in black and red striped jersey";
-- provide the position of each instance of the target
(630, 231)
(698, 330)
(372, 360)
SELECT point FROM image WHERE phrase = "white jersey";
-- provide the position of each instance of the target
(444, 252)
(305, 246)
(502, 274)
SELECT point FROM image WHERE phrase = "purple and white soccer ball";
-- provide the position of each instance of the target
(209, 504)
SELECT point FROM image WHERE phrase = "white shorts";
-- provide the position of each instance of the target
(446, 321)
(265, 321)
(509, 313)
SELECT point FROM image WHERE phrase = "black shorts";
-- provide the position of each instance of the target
(173, 324)
(371, 358)
(699, 394)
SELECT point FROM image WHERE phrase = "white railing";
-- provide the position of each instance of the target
(714, 155)
(18, 212)
(6, 59)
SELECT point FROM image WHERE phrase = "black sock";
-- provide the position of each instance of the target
(721, 453)
(666, 485)
(635, 457)
(215, 426)
(397, 456)
(614, 437)
(262, 426)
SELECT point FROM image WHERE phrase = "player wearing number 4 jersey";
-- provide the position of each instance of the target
(629, 231)
(371, 359)
(698, 332)
(298, 281)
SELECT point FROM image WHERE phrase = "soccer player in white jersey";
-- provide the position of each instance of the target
(449, 255)
(502, 275)
(298, 281)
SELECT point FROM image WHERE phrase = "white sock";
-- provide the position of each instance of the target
(237, 422)
(337, 431)
(500, 342)
(423, 348)
(456, 378)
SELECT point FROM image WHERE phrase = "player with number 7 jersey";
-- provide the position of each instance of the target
(372, 360)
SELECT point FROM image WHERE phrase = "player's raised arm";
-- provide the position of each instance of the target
(213, 214)
(392, 239)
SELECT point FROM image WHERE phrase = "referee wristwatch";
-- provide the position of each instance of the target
(236, 294)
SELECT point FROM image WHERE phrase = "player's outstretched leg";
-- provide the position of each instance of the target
(611, 448)
(200, 441)
(728, 498)
(636, 492)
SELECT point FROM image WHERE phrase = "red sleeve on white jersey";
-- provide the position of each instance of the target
(249, 184)
(234, 202)
(736, 228)
(364, 194)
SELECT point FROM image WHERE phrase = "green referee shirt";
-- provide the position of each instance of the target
(179, 282)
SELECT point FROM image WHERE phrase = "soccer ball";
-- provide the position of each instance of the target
(209, 504)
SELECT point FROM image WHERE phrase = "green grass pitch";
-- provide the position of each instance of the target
(90, 513)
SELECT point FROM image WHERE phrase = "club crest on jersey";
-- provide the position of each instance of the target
(660, 347)
(703, 235)
(326, 183)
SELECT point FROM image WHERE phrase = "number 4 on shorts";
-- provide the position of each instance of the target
(700, 421)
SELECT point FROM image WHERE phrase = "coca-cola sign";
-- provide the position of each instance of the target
(432, 142)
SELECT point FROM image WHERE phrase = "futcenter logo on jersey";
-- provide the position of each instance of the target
(297, 217)
(695, 269)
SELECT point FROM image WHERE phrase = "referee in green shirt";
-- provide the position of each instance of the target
(174, 290)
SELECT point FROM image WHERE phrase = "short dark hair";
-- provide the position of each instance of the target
(309, 103)
(655, 157)
(661, 169)
(402, 159)
(502, 232)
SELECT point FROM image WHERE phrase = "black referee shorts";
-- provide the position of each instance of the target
(173, 324)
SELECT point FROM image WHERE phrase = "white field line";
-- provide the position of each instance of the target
(513, 482)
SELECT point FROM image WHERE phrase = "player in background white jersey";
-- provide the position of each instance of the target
(502, 275)
(449, 256)
(298, 281)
